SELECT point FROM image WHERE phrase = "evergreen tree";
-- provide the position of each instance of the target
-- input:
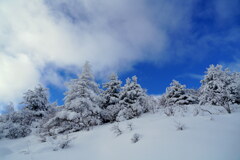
(133, 100)
(110, 105)
(81, 105)
(83, 96)
(36, 107)
(177, 94)
(234, 88)
(36, 100)
(217, 87)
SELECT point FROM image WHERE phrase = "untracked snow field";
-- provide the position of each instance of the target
(209, 137)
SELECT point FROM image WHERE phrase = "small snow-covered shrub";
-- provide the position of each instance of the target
(195, 112)
(20, 124)
(1, 131)
(18, 131)
(135, 138)
(179, 126)
(162, 101)
(130, 126)
(14, 126)
(27, 150)
(62, 142)
(152, 104)
(169, 111)
(208, 110)
(211, 118)
(58, 126)
(42, 138)
(116, 130)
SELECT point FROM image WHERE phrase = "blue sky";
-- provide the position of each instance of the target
(157, 40)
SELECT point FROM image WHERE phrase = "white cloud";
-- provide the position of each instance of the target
(113, 36)
(51, 76)
(17, 73)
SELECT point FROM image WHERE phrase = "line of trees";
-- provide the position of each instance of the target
(86, 105)
(219, 87)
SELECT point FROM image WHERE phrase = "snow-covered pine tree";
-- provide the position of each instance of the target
(133, 100)
(81, 105)
(37, 99)
(111, 94)
(177, 94)
(83, 96)
(192, 95)
(216, 88)
(36, 106)
(234, 88)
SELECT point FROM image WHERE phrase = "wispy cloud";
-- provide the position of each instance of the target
(191, 75)
(234, 65)
(196, 76)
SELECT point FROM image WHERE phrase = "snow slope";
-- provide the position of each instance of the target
(214, 137)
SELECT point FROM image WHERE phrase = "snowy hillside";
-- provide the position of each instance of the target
(204, 137)
(124, 122)
(119, 80)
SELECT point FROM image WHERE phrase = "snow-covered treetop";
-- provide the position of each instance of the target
(177, 94)
(134, 79)
(128, 81)
(219, 87)
(175, 89)
(113, 85)
(87, 78)
(36, 99)
(86, 72)
(132, 89)
(216, 78)
(83, 87)
(216, 74)
(113, 88)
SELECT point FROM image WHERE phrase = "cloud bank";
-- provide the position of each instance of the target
(38, 38)
(113, 36)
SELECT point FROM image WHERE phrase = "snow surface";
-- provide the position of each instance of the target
(209, 137)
